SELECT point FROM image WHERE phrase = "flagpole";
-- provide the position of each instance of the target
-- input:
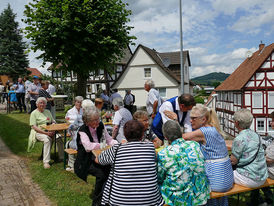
(181, 51)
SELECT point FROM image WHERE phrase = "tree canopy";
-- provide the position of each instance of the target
(13, 59)
(83, 35)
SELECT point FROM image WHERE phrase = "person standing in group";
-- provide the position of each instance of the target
(43, 93)
(179, 108)
(114, 95)
(27, 95)
(129, 101)
(12, 97)
(34, 92)
(104, 96)
(52, 90)
(1, 92)
(154, 100)
(20, 94)
(121, 116)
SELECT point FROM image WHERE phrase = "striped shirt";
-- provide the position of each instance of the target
(135, 175)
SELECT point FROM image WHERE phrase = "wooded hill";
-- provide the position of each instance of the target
(210, 79)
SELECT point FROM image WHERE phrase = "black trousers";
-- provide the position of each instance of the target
(101, 173)
(256, 198)
(21, 101)
(32, 105)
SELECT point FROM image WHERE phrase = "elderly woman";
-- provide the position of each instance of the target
(181, 171)
(247, 152)
(208, 134)
(142, 116)
(38, 117)
(74, 117)
(89, 136)
(121, 116)
(133, 180)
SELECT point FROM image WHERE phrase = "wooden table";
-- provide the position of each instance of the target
(228, 144)
(58, 127)
(96, 152)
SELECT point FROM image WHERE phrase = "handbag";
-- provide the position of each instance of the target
(234, 167)
(112, 170)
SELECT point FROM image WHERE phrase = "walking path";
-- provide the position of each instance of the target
(16, 186)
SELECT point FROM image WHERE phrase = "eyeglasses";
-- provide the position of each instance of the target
(194, 118)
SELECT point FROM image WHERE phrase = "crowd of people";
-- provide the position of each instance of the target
(174, 153)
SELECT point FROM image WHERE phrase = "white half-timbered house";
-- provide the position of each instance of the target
(250, 86)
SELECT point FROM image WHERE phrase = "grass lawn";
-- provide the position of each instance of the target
(62, 187)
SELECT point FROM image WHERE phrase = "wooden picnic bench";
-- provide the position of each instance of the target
(236, 189)
(71, 151)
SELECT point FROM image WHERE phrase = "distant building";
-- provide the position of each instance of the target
(250, 86)
(98, 80)
(34, 72)
(162, 68)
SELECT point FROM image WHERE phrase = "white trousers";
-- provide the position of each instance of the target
(245, 181)
(47, 146)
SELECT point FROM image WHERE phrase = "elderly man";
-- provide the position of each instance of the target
(129, 100)
(154, 100)
(104, 96)
(121, 116)
(20, 94)
(33, 90)
(176, 108)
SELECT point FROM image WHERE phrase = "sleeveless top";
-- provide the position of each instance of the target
(85, 159)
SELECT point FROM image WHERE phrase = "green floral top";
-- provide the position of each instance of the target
(181, 174)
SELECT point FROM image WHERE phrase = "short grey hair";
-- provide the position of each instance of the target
(244, 117)
(87, 103)
(171, 130)
(150, 83)
(79, 99)
(41, 99)
(118, 101)
(89, 114)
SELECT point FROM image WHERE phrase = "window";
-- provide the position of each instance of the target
(119, 68)
(260, 125)
(162, 92)
(186, 71)
(147, 72)
(270, 100)
(257, 100)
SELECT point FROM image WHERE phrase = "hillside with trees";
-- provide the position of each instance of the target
(211, 79)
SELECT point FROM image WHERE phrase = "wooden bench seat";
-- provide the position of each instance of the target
(71, 151)
(236, 189)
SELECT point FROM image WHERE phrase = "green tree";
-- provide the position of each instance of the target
(13, 59)
(216, 84)
(83, 35)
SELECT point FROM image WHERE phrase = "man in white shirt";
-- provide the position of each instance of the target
(154, 101)
(51, 90)
(176, 108)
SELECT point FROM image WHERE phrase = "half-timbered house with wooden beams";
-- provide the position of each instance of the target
(250, 86)
(100, 79)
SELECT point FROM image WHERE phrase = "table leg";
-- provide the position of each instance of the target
(55, 156)
(65, 154)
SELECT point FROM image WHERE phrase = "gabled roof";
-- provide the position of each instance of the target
(238, 79)
(157, 58)
(34, 72)
(174, 57)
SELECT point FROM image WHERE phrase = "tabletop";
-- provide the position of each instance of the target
(56, 127)
(96, 152)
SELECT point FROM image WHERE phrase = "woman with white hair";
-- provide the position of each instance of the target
(248, 153)
(38, 117)
(89, 136)
(208, 133)
(74, 117)
(121, 116)
(181, 171)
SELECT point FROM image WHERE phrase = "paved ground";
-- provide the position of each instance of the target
(16, 186)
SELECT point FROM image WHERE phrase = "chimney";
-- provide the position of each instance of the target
(261, 46)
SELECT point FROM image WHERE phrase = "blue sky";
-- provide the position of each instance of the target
(217, 33)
